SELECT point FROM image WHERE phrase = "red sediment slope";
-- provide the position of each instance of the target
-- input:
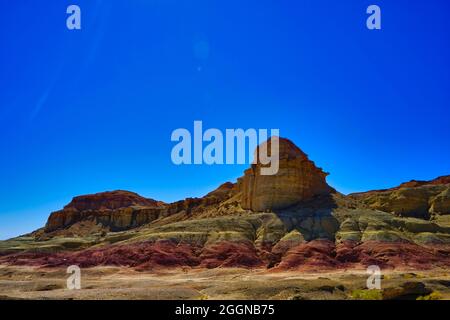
(311, 256)
(324, 254)
(230, 254)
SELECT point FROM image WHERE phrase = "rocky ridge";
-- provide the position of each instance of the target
(290, 221)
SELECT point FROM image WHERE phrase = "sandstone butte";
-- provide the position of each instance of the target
(289, 221)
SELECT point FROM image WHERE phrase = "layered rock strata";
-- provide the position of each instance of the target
(298, 179)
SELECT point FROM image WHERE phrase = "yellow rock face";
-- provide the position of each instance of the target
(298, 179)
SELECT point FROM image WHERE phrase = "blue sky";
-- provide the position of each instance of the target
(93, 110)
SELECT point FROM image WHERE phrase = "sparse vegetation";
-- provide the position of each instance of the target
(367, 294)
(435, 295)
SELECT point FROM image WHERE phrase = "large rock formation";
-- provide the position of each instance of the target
(110, 200)
(117, 210)
(298, 179)
(121, 210)
(406, 226)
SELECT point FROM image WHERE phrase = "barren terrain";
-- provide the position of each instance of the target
(230, 283)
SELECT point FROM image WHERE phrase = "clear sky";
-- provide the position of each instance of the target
(93, 110)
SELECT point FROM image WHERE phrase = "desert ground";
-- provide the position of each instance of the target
(101, 283)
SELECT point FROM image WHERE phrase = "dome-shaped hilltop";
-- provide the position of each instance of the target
(297, 179)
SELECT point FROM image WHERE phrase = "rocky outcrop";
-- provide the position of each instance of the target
(123, 210)
(117, 210)
(298, 179)
(114, 220)
(442, 180)
(439, 181)
(419, 199)
(110, 200)
(440, 204)
(192, 206)
(409, 290)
